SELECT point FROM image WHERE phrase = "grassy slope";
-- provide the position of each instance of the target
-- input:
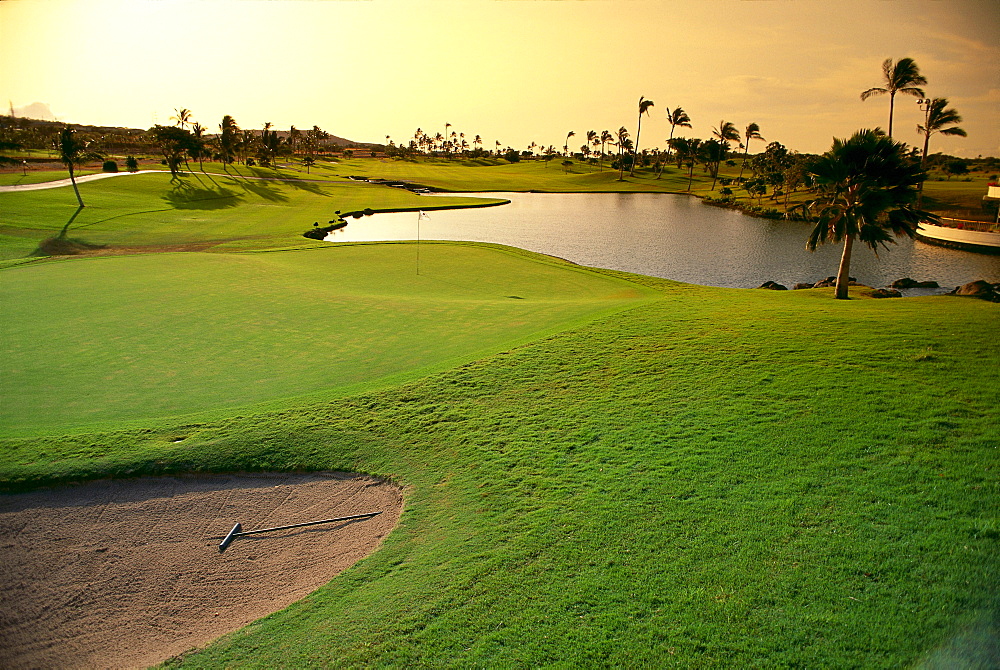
(192, 332)
(718, 477)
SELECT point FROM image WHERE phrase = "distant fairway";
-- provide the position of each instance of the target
(135, 337)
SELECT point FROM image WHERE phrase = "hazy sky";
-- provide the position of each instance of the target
(516, 71)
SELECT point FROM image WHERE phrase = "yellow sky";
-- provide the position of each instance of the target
(513, 71)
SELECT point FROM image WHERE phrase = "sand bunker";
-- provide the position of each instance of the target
(116, 574)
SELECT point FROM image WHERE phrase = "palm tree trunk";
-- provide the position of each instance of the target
(638, 132)
(745, 152)
(892, 102)
(76, 190)
(843, 274)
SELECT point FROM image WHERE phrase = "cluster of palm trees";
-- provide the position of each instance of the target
(232, 144)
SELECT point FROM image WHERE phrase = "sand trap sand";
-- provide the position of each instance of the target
(117, 574)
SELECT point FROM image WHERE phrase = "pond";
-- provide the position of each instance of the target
(672, 236)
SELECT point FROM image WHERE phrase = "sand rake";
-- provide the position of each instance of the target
(238, 531)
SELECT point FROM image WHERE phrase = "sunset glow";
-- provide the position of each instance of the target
(514, 72)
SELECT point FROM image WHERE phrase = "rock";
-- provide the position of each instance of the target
(979, 289)
(886, 293)
(906, 282)
(774, 286)
(800, 285)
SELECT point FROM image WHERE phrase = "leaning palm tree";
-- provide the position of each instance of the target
(900, 77)
(644, 106)
(73, 152)
(566, 146)
(937, 118)
(753, 133)
(868, 191)
(623, 144)
(677, 117)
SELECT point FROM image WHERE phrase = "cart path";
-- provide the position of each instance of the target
(127, 573)
(59, 183)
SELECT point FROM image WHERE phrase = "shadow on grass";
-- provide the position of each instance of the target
(62, 244)
(187, 196)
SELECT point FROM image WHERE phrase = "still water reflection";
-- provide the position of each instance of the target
(672, 236)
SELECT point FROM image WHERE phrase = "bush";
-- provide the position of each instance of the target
(131, 164)
(110, 166)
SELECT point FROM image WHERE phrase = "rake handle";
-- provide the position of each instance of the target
(307, 523)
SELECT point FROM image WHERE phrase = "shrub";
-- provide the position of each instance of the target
(131, 164)
(110, 166)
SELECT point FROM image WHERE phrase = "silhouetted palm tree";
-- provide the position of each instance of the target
(566, 146)
(902, 77)
(182, 117)
(73, 152)
(868, 189)
(624, 143)
(725, 132)
(644, 106)
(687, 151)
(753, 133)
(937, 118)
(677, 117)
(605, 138)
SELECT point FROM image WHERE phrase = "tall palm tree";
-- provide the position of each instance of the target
(566, 146)
(937, 118)
(73, 152)
(725, 132)
(753, 133)
(900, 77)
(182, 117)
(199, 144)
(644, 106)
(228, 139)
(592, 139)
(605, 138)
(687, 151)
(677, 117)
(868, 190)
(623, 143)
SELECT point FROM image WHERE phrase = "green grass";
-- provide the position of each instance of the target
(183, 333)
(706, 478)
(151, 212)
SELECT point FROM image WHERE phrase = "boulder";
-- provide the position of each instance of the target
(800, 285)
(774, 286)
(886, 293)
(906, 282)
(979, 289)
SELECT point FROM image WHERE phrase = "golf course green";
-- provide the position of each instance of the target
(601, 469)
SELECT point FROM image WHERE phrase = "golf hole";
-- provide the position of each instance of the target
(128, 573)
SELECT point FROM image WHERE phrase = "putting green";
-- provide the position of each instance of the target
(126, 338)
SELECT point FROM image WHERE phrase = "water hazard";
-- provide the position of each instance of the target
(672, 236)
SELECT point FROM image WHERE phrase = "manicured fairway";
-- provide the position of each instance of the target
(150, 212)
(133, 337)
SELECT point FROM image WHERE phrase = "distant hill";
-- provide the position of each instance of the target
(7, 121)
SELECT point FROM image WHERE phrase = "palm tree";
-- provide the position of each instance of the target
(644, 106)
(753, 133)
(228, 139)
(73, 152)
(199, 144)
(182, 117)
(677, 117)
(868, 189)
(687, 150)
(725, 132)
(902, 77)
(937, 117)
(566, 146)
(624, 143)
(293, 138)
(605, 138)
